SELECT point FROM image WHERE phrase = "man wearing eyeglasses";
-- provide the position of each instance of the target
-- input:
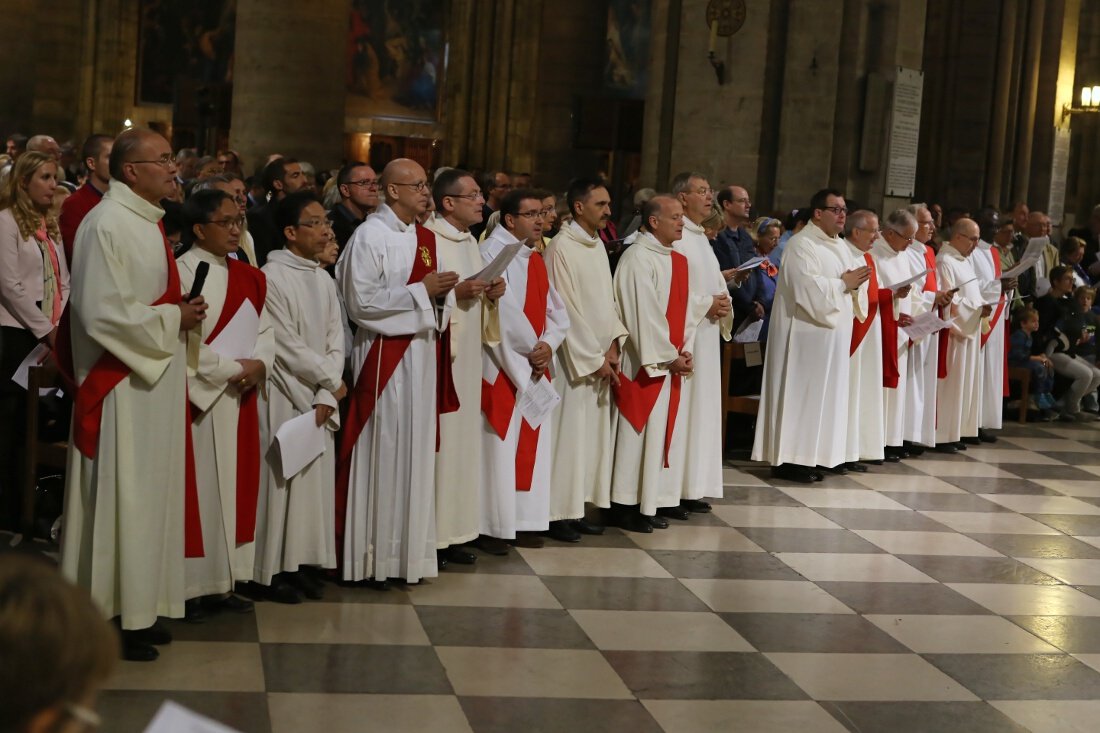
(958, 394)
(358, 185)
(396, 294)
(125, 516)
(802, 425)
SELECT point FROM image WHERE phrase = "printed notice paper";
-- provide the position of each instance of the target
(749, 332)
(238, 339)
(300, 442)
(749, 264)
(898, 286)
(499, 264)
(22, 372)
(538, 401)
(925, 324)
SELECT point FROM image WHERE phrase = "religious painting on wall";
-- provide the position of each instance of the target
(626, 72)
(188, 44)
(395, 59)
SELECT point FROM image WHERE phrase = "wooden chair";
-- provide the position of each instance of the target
(38, 453)
(1023, 376)
(741, 404)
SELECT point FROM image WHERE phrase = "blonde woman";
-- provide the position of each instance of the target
(34, 287)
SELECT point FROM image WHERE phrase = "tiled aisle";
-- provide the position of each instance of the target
(942, 594)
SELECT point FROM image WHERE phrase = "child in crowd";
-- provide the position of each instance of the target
(1084, 297)
(1042, 371)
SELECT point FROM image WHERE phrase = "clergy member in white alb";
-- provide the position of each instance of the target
(701, 399)
(385, 502)
(866, 431)
(235, 352)
(295, 518)
(803, 421)
(458, 464)
(893, 265)
(585, 365)
(986, 260)
(124, 537)
(654, 297)
(958, 395)
(515, 494)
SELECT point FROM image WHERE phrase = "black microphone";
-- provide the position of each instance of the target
(200, 280)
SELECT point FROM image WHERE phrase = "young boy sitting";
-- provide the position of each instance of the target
(1042, 371)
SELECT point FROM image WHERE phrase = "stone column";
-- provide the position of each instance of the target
(289, 81)
(16, 84)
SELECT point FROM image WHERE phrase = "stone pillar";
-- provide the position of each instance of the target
(16, 83)
(289, 81)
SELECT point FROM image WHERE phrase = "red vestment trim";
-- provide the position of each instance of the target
(246, 284)
(637, 397)
(861, 328)
(891, 372)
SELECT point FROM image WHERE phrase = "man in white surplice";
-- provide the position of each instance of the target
(124, 538)
(702, 465)
(586, 364)
(958, 395)
(458, 464)
(894, 265)
(295, 516)
(515, 495)
(656, 304)
(803, 419)
(225, 424)
(866, 431)
(386, 462)
(986, 260)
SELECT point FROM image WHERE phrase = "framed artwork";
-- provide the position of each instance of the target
(395, 58)
(190, 41)
(626, 72)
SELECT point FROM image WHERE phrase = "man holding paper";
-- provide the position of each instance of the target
(458, 463)
(294, 521)
(655, 302)
(586, 366)
(958, 395)
(385, 478)
(518, 429)
(127, 527)
(986, 260)
(803, 419)
(701, 401)
(866, 431)
(236, 347)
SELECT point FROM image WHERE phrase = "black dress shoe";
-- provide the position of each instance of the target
(280, 591)
(872, 461)
(531, 540)
(491, 545)
(697, 506)
(986, 437)
(818, 474)
(946, 448)
(973, 439)
(913, 448)
(840, 469)
(194, 611)
(305, 585)
(960, 445)
(892, 458)
(656, 522)
(458, 556)
(856, 466)
(441, 560)
(793, 472)
(674, 512)
(155, 635)
(896, 452)
(231, 603)
(373, 584)
(133, 649)
(563, 530)
(628, 518)
(583, 526)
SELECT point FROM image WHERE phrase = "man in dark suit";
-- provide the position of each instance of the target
(280, 177)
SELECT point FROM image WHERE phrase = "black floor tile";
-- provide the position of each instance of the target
(1078, 525)
(755, 496)
(922, 717)
(1073, 634)
(951, 569)
(882, 519)
(929, 502)
(808, 540)
(130, 711)
(1035, 470)
(731, 565)
(623, 594)
(502, 627)
(901, 598)
(702, 676)
(1021, 676)
(999, 485)
(812, 632)
(397, 670)
(1050, 546)
(540, 715)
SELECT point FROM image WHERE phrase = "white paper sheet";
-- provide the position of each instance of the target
(174, 718)
(753, 354)
(1031, 255)
(499, 264)
(749, 264)
(748, 332)
(300, 443)
(238, 339)
(925, 324)
(36, 357)
(898, 286)
(538, 401)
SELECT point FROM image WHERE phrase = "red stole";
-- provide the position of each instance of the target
(107, 373)
(246, 284)
(890, 369)
(1000, 302)
(498, 400)
(861, 328)
(382, 360)
(637, 397)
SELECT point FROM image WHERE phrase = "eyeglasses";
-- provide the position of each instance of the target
(837, 210)
(164, 161)
(471, 196)
(907, 240)
(530, 214)
(973, 240)
(703, 191)
(419, 186)
(370, 183)
(870, 231)
(315, 223)
(237, 222)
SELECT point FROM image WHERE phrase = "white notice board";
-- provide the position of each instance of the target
(901, 170)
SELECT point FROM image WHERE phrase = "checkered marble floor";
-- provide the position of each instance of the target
(946, 593)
